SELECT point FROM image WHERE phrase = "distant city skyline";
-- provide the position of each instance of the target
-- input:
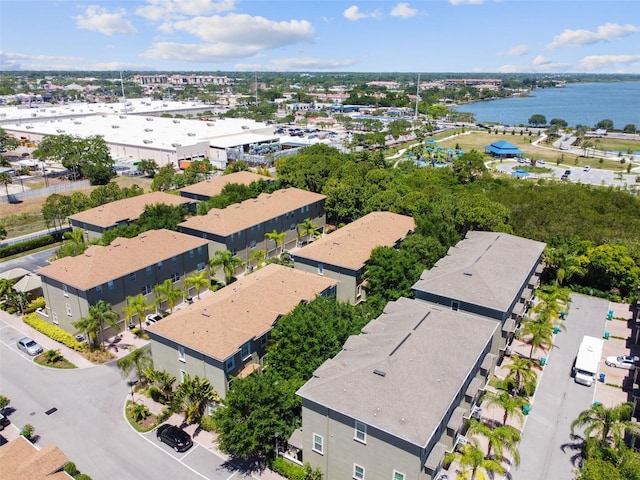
(482, 36)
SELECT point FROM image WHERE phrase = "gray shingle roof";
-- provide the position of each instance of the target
(402, 373)
(486, 268)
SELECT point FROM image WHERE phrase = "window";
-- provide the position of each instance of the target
(148, 270)
(99, 290)
(263, 341)
(359, 291)
(110, 285)
(146, 290)
(397, 475)
(361, 432)
(199, 250)
(191, 253)
(318, 443)
(229, 364)
(55, 318)
(69, 310)
(358, 472)
(252, 244)
(455, 306)
(175, 277)
(200, 266)
(65, 291)
(245, 351)
(182, 375)
(132, 276)
(159, 264)
(320, 269)
(181, 353)
(292, 227)
(174, 259)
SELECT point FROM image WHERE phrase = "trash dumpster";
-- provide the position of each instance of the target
(606, 335)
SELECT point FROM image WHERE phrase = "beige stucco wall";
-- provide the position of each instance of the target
(347, 284)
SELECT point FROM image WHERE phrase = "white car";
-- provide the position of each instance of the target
(627, 362)
(587, 168)
(541, 162)
(29, 346)
(151, 319)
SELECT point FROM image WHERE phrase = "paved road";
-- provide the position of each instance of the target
(29, 262)
(89, 425)
(595, 176)
(546, 449)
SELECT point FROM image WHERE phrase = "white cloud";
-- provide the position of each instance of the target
(517, 51)
(466, 2)
(354, 14)
(544, 66)
(403, 10)
(309, 63)
(22, 61)
(202, 53)
(245, 31)
(99, 19)
(605, 33)
(596, 62)
(540, 60)
(157, 10)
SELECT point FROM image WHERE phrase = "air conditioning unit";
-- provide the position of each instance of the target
(460, 440)
(476, 412)
(147, 141)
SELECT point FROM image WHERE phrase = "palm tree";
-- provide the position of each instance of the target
(606, 424)
(100, 315)
(138, 360)
(257, 256)
(193, 397)
(520, 373)
(473, 461)
(308, 229)
(6, 179)
(135, 306)
(166, 291)
(229, 263)
(537, 333)
(512, 406)
(500, 439)
(163, 380)
(565, 263)
(278, 238)
(197, 281)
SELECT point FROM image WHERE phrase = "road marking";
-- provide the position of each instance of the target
(10, 347)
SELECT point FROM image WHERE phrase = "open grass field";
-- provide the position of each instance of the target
(617, 145)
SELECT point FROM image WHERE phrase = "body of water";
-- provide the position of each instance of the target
(577, 104)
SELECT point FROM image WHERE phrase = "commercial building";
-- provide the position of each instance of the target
(344, 253)
(242, 227)
(225, 334)
(213, 186)
(490, 274)
(119, 213)
(126, 267)
(395, 399)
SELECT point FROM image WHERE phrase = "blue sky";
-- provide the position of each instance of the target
(558, 36)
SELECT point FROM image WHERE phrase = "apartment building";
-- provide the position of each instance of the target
(224, 335)
(126, 267)
(344, 253)
(211, 187)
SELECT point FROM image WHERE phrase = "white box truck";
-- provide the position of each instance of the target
(589, 355)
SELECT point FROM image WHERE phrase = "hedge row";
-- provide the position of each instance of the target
(53, 331)
(287, 469)
(34, 305)
(26, 246)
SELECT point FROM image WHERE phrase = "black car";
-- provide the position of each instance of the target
(175, 437)
(4, 421)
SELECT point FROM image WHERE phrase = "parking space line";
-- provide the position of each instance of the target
(179, 460)
(9, 346)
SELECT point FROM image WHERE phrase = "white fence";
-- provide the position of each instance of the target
(62, 187)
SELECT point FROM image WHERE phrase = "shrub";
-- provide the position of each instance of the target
(82, 476)
(287, 469)
(53, 356)
(34, 305)
(155, 394)
(27, 431)
(164, 415)
(70, 469)
(26, 246)
(207, 423)
(53, 331)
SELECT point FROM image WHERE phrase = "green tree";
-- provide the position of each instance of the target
(137, 361)
(256, 409)
(101, 315)
(536, 120)
(56, 209)
(197, 281)
(611, 267)
(599, 469)
(473, 464)
(7, 142)
(148, 167)
(167, 292)
(139, 411)
(537, 333)
(6, 180)
(164, 179)
(500, 439)
(193, 396)
(630, 128)
(605, 124)
(520, 374)
(136, 305)
(229, 263)
(277, 238)
(308, 230)
(469, 166)
(607, 424)
(163, 381)
(160, 215)
(512, 406)
(391, 273)
(4, 403)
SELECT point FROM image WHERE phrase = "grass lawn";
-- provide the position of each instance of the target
(616, 145)
(144, 425)
(61, 363)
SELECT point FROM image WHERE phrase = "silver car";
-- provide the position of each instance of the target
(626, 362)
(29, 346)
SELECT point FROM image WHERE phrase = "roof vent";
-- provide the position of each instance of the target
(468, 274)
(206, 313)
(380, 373)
